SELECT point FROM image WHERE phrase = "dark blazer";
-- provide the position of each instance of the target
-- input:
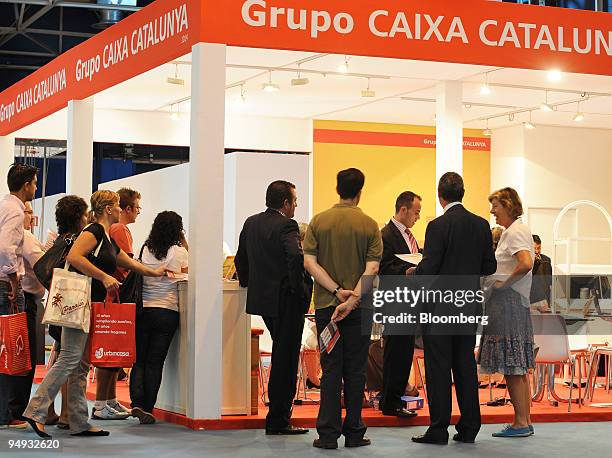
(393, 243)
(458, 243)
(270, 262)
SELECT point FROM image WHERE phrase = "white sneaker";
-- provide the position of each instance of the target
(119, 407)
(108, 413)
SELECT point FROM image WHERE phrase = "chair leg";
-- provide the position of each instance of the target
(572, 369)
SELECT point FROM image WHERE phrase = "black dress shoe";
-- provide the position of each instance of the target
(358, 443)
(329, 445)
(459, 438)
(425, 439)
(401, 413)
(100, 433)
(288, 431)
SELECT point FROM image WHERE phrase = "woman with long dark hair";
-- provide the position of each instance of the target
(166, 247)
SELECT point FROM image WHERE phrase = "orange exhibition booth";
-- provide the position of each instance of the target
(432, 49)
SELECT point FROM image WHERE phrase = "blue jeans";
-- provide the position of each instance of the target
(8, 382)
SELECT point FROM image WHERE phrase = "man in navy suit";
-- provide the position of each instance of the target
(458, 243)
(398, 349)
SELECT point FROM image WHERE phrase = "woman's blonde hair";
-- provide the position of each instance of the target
(100, 200)
(510, 200)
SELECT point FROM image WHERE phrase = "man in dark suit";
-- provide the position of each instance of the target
(270, 262)
(456, 243)
(542, 277)
(398, 349)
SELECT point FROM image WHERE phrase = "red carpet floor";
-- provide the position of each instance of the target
(305, 415)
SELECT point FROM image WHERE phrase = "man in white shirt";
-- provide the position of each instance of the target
(21, 181)
(33, 292)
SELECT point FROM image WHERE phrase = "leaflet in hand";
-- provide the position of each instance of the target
(328, 337)
(414, 258)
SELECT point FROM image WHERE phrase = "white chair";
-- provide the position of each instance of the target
(552, 343)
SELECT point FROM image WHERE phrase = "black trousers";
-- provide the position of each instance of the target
(286, 331)
(15, 390)
(346, 363)
(155, 328)
(444, 354)
(398, 352)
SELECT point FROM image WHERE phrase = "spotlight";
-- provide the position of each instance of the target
(578, 116)
(344, 66)
(270, 86)
(529, 125)
(174, 116)
(487, 132)
(367, 92)
(555, 75)
(175, 80)
(485, 89)
(546, 106)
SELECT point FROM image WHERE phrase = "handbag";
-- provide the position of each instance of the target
(14, 344)
(131, 288)
(69, 301)
(54, 257)
(113, 334)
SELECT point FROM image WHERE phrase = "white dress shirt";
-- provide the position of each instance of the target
(11, 237)
(402, 228)
(451, 205)
(32, 252)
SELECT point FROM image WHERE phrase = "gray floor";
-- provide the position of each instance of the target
(128, 438)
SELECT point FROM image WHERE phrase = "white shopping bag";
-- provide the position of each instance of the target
(69, 301)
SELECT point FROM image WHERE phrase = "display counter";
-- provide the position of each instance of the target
(236, 358)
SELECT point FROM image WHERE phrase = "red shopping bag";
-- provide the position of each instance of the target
(14, 344)
(112, 336)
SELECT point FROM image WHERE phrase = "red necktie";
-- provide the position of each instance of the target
(414, 247)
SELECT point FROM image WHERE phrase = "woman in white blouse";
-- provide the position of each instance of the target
(155, 327)
(507, 345)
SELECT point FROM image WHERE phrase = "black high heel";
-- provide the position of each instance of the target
(91, 433)
(36, 429)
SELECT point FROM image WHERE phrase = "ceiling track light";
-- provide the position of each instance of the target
(485, 89)
(344, 66)
(529, 125)
(176, 80)
(270, 86)
(578, 116)
(487, 132)
(174, 115)
(546, 106)
(368, 92)
(299, 81)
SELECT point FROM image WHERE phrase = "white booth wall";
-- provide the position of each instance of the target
(156, 128)
(551, 167)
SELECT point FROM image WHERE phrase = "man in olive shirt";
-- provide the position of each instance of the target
(342, 245)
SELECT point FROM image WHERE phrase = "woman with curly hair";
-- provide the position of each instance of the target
(166, 247)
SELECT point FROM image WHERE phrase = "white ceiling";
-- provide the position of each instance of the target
(339, 96)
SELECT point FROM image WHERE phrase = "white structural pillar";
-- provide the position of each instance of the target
(449, 131)
(205, 303)
(7, 157)
(79, 152)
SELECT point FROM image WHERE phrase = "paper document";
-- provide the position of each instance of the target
(411, 258)
(329, 337)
